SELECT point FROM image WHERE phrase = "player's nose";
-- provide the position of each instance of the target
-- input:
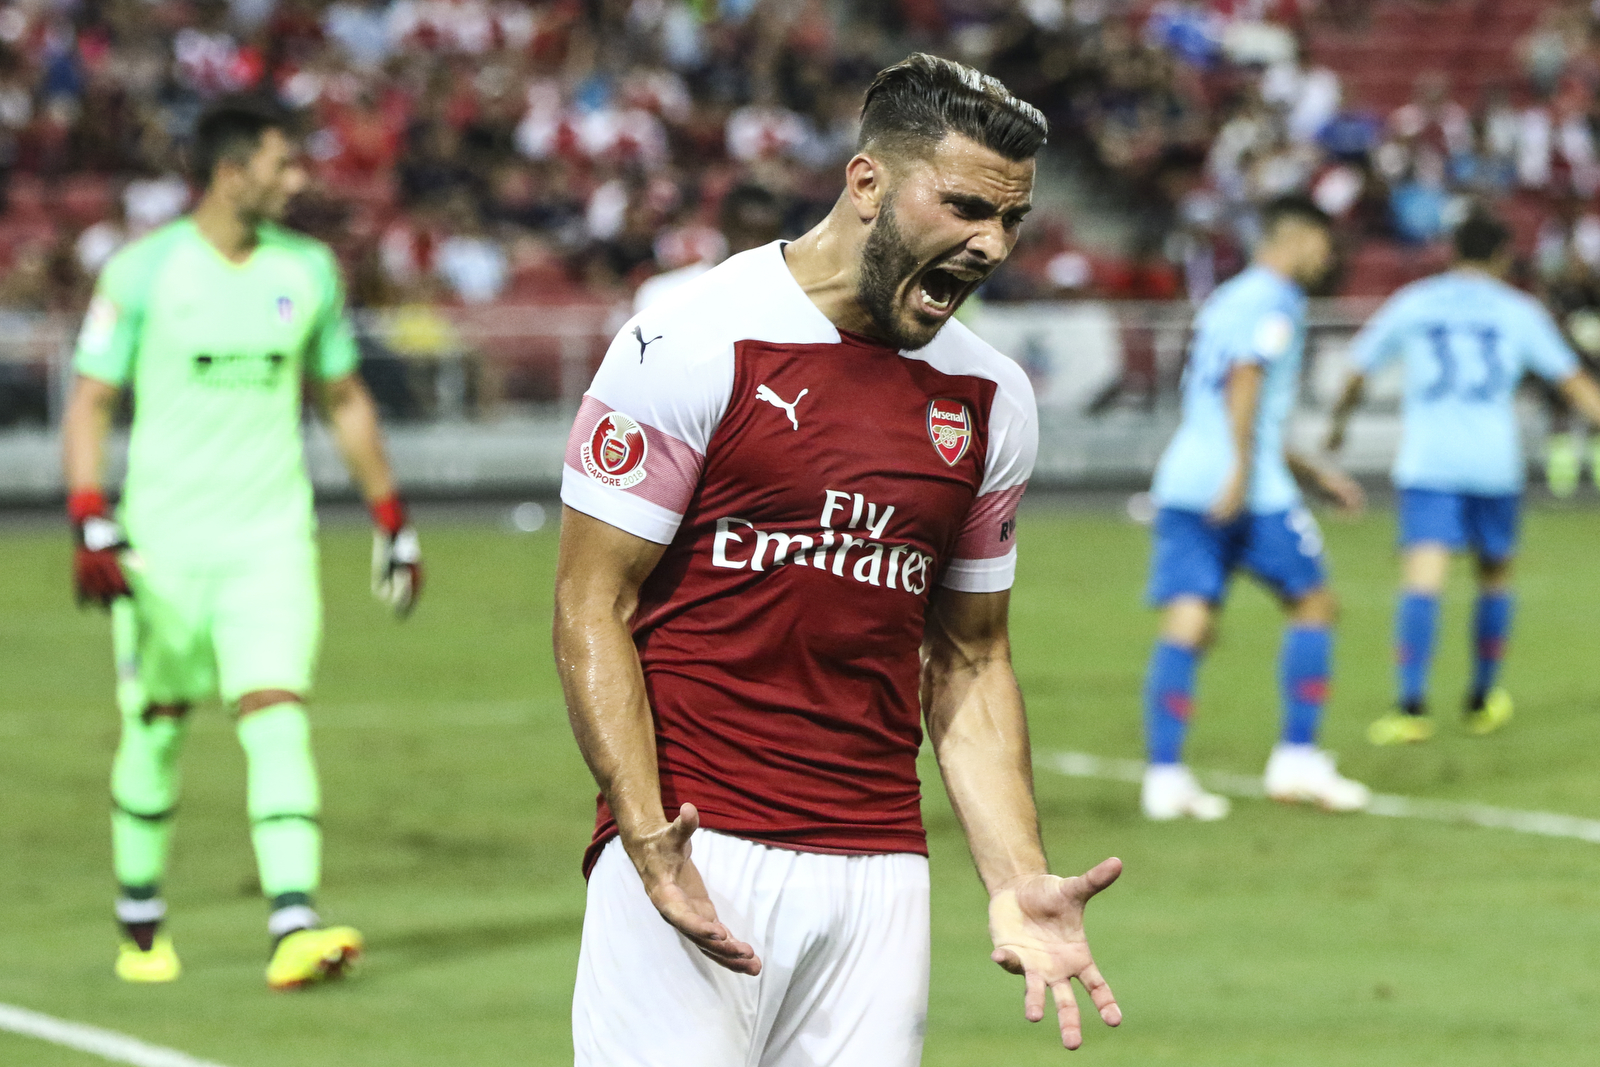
(989, 243)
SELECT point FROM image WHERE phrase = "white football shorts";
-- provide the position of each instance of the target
(843, 943)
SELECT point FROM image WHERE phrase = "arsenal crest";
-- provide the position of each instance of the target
(950, 429)
(614, 453)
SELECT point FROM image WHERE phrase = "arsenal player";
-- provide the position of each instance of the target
(789, 535)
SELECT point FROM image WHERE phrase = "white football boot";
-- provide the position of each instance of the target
(1171, 792)
(1305, 774)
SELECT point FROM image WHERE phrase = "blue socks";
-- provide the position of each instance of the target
(1491, 623)
(1415, 623)
(1168, 700)
(1303, 668)
(1169, 691)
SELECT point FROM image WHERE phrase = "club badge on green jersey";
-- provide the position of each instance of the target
(285, 310)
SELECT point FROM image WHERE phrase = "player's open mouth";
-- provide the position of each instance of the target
(941, 290)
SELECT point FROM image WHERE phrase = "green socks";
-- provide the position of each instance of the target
(283, 802)
(283, 798)
(144, 791)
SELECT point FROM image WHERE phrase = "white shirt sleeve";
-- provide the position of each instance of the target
(986, 551)
(639, 442)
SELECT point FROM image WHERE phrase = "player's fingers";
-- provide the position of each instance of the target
(750, 965)
(1007, 960)
(684, 826)
(1067, 1014)
(1033, 988)
(1101, 875)
(1099, 992)
(714, 941)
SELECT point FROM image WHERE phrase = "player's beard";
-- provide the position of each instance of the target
(887, 263)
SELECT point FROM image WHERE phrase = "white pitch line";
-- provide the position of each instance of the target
(1541, 823)
(107, 1044)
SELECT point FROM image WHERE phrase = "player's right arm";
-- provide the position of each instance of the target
(103, 360)
(96, 568)
(1350, 397)
(599, 571)
(1375, 344)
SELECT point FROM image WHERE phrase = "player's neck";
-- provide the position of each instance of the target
(224, 229)
(1278, 263)
(825, 264)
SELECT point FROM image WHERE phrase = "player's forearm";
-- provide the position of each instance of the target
(609, 710)
(84, 426)
(980, 736)
(1584, 394)
(1305, 470)
(1350, 398)
(353, 418)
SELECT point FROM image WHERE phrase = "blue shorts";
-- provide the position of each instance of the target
(1485, 524)
(1194, 557)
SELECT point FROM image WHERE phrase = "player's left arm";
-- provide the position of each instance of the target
(980, 735)
(352, 417)
(333, 362)
(1582, 393)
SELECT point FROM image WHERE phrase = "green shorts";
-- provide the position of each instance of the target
(193, 631)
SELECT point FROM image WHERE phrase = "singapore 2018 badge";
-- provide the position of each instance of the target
(950, 429)
(614, 453)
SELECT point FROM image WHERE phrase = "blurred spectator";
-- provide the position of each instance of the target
(530, 149)
(750, 217)
(472, 264)
(99, 241)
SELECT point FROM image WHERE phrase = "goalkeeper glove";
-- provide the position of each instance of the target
(96, 565)
(396, 557)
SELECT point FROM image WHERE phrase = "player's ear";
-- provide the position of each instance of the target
(866, 184)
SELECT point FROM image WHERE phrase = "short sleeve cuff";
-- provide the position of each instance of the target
(981, 575)
(614, 507)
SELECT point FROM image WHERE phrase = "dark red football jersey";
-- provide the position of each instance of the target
(812, 487)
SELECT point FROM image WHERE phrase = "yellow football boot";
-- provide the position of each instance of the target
(1398, 728)
(1495, 713)
(307, 957)
(160, 964)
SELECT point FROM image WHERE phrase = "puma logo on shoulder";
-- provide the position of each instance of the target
(638, 335)
(764, 393)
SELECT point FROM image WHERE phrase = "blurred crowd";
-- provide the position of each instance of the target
(1197, 111)
(482, 151)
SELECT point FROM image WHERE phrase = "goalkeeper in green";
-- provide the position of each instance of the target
(210, 565)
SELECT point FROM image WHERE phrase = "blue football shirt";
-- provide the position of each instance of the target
(1257, 317)
(1466, 340)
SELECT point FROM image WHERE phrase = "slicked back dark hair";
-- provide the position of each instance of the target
(231, 130)
(1480, 237)
(1293, 206)
(913, 105)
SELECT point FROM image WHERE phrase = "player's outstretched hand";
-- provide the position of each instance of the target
(1037, 929)
(675, 888)
(396, 558)
(1343, 490)
(97, 576)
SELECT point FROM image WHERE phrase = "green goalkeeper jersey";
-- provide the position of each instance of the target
(215, 353)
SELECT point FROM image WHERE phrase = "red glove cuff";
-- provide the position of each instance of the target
(85, 504)
(389, 514)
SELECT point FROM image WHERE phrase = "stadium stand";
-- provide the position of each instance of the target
(482, 152)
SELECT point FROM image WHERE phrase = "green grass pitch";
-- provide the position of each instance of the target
(457, 806)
